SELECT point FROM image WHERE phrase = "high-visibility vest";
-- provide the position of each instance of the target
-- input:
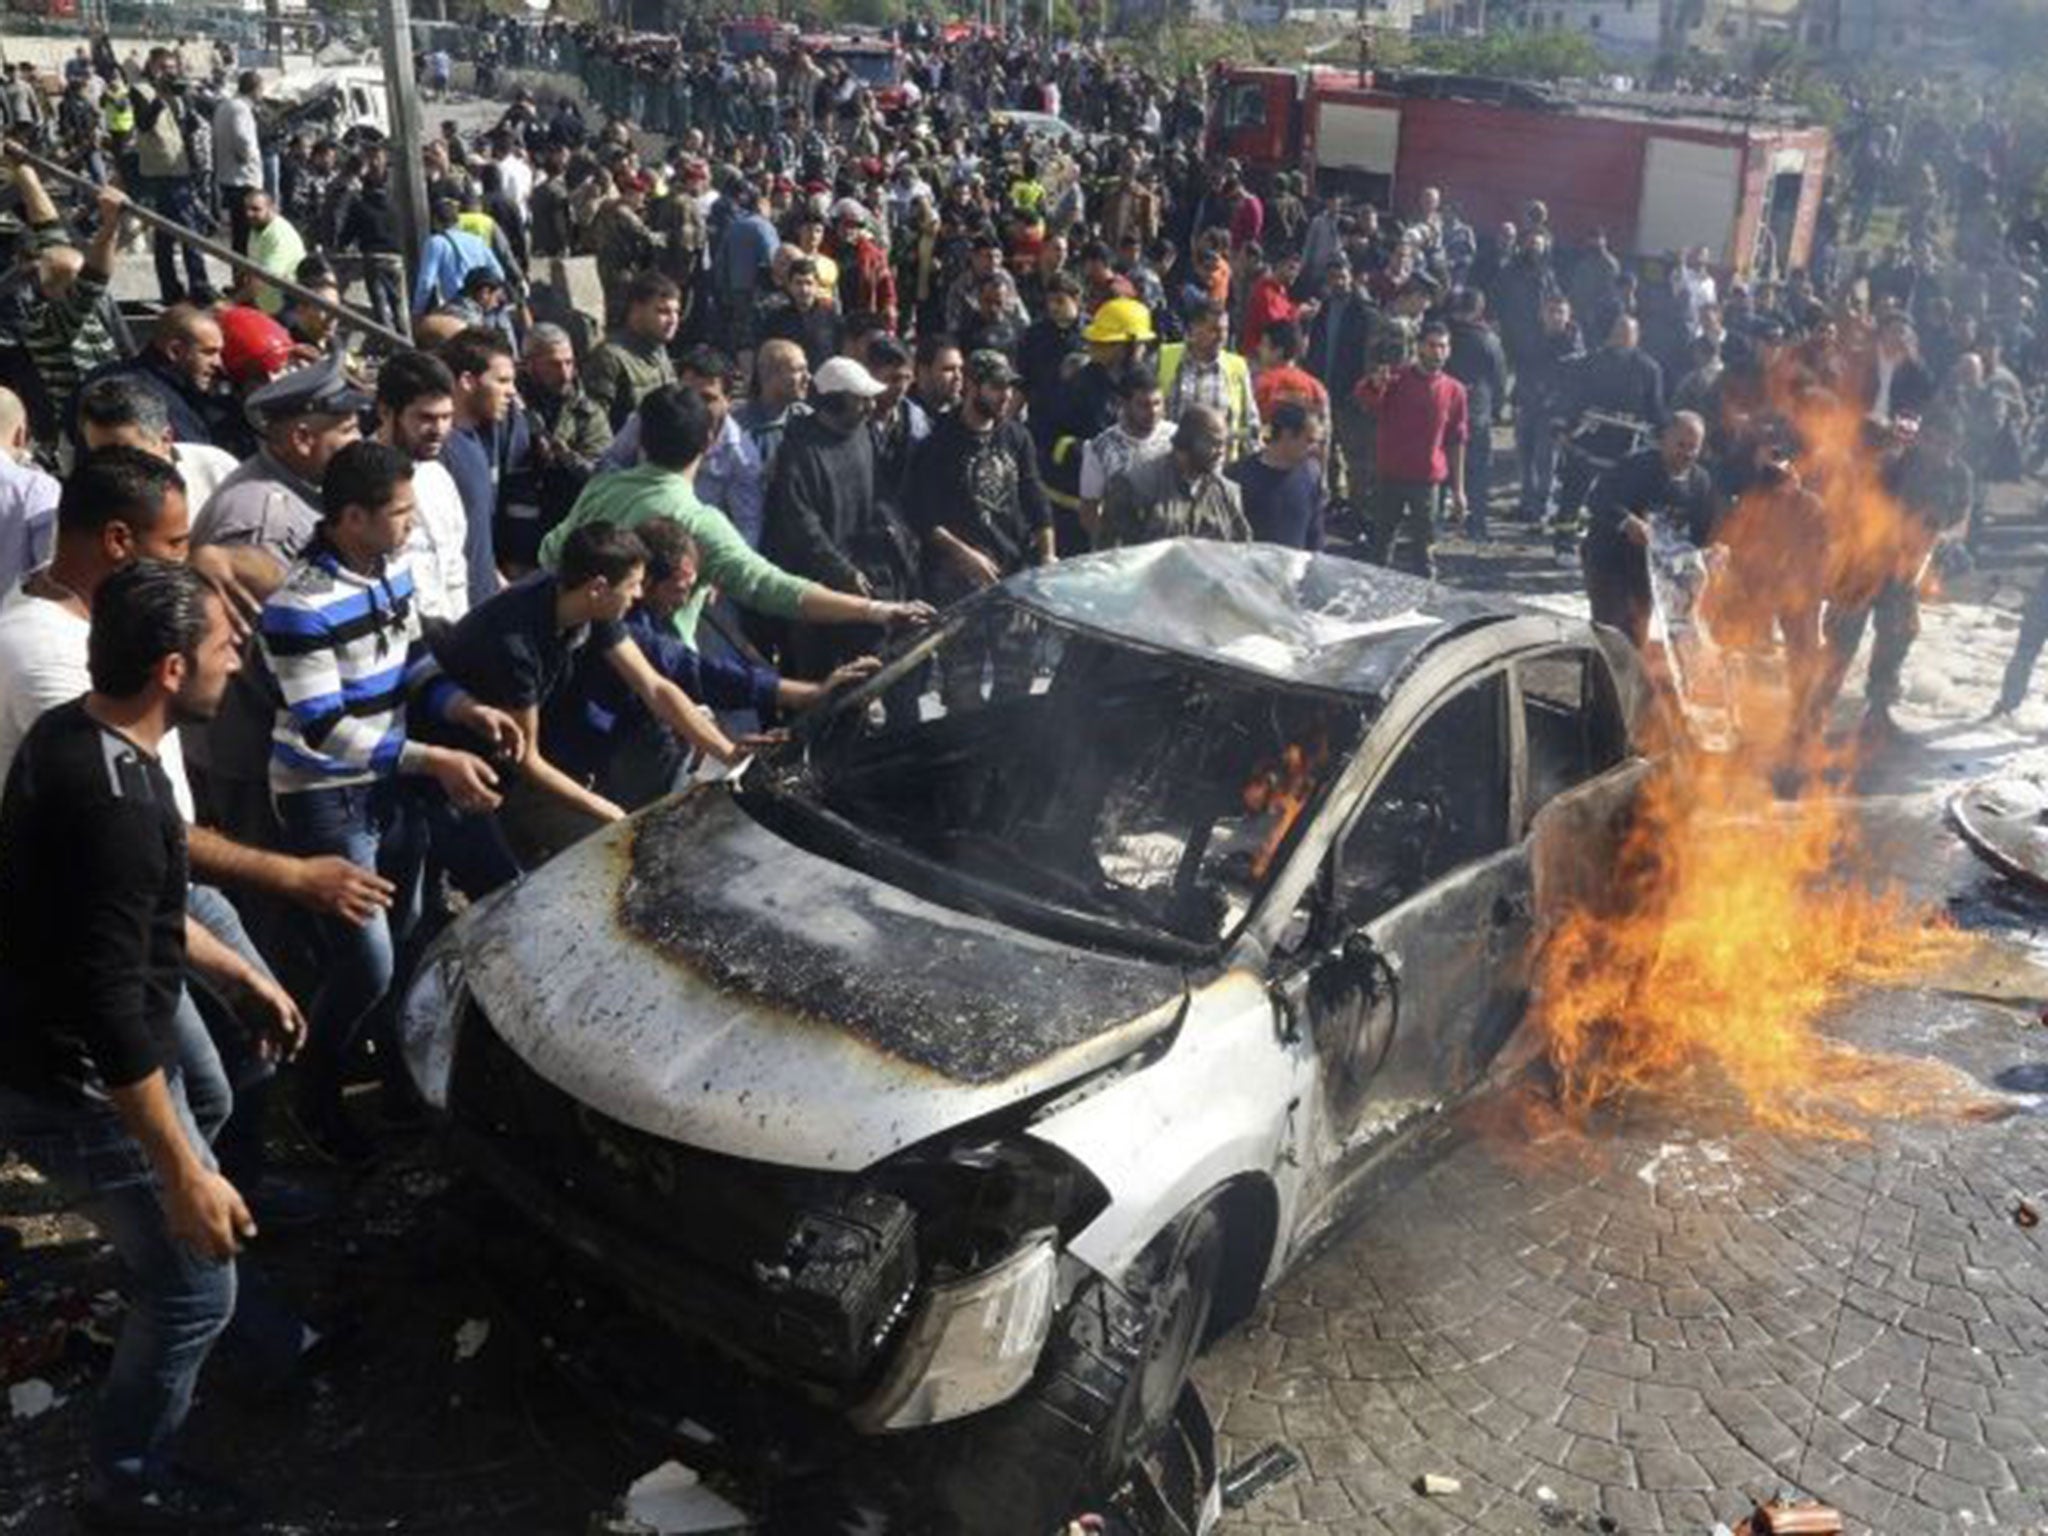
(1240, 410)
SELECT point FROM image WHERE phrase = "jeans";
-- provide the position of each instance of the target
(1404, 525)
(1536, 463)
(384, 282)
(235, 202)
(175, 198)
(1479, 472)
(1896, 612)
(377, 826)
(178, 1303)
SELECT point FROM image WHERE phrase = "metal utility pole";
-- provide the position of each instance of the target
(408, 173)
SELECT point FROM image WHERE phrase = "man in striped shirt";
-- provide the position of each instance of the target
(343, 643)
(67, 334)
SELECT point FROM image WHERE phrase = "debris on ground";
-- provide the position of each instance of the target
(1434, 1485)
(2025, 1214)
(471, 1338)
(1258, 1472)
(1792, 1517)
(671, 1500)
(31, 1399)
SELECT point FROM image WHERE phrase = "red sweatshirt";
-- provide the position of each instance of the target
(1421, 415)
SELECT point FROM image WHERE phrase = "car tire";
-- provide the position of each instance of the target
(1105, 1392)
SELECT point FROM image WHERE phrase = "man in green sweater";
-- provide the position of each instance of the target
(675, 429)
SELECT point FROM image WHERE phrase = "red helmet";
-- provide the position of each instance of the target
(254, 347)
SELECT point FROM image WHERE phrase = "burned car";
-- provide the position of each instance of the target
(971, 1060)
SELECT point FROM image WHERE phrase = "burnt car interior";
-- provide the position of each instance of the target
(1133, 785)
(1572, 721)
(1443, 804)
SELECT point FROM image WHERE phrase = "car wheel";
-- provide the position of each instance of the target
(1104, 1394)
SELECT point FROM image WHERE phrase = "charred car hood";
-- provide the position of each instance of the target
(695, 976)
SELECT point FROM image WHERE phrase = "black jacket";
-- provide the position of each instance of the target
(1639, 486)
(1478, 363)
(1543, 375)
(1358, 325)
(820, 496)
(1620, 382)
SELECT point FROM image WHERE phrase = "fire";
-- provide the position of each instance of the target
(1745, 903)
(1282, 789)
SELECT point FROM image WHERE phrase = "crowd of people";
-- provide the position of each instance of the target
(292, 658)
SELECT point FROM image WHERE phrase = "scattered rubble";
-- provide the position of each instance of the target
(31, 1399)
(471, 1338)
(1258, 1472)
(672, 1500)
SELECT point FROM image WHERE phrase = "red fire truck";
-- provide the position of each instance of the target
(1658, 174)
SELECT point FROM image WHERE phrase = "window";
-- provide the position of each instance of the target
(1593, 22)
(1443, 805)
(1572, 722)
(1246, 106)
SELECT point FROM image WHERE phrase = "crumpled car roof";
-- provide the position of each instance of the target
(1315, 621)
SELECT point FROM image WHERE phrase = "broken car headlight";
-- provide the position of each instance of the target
(428, 1017)
(973, 1343)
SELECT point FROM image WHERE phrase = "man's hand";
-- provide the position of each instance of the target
(203, 1211)
(1637, 529)
(244, 603)
(113, 203)
(854, 671)
(493, 725)
(975, 566)
(270, 1011)
(915, 614)
(337, 887)
(466, 778)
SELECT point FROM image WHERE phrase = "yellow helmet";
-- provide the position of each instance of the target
(1120, 320)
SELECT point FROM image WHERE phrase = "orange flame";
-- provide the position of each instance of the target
(1282, 789)
(1739, 917)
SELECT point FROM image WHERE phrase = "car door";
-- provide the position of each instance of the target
(1581, 778)
(1417, 971)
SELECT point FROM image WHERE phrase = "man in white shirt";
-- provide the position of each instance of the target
(1140, 432)
(124, 411)
(122, 504)
(1694, 284)
(238, 154)
(415, 415)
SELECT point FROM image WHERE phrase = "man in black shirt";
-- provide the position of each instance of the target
(975, 500)
(94, 1048)
(1663, 481)
(515, 651)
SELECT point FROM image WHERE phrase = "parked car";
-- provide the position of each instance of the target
(967, 1075)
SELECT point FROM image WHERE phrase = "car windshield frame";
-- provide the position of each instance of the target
(785, 791)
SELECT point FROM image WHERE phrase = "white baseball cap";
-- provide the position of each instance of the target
(844, 376)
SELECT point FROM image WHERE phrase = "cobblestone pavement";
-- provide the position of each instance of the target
(1642, 1327)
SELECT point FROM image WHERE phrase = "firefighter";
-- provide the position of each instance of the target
(1086, 406)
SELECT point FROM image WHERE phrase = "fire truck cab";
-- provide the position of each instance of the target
(1659, 174)
(876, 62)
(747, 36)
